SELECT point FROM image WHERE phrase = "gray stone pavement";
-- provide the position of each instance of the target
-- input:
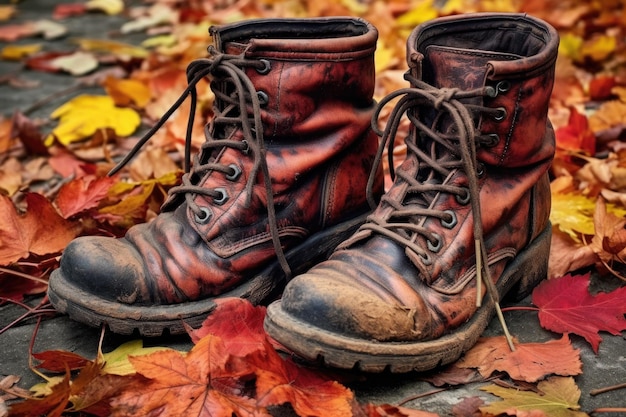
(606, 368)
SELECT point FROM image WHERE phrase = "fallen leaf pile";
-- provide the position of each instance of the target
(54, 161)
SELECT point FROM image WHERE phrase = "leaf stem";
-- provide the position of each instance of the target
(23, 275)
(519, 308)
(607, 389)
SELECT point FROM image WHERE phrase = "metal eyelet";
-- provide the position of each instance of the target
(426, 259)
(236, 173)
(203, 216)
(267, 66)
(503, 86)
(452, 222)
(435, 247)
(490, 91)
(222, 198)
(501, 115)
(263, 98)
(246, 148)
(493, 140)
(464, 198)
(480, 170)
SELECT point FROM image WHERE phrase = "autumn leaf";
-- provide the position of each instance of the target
(120, 49)
(566, 306)
(558, 398)
(205, 382)
(576, 136)
(125, 92)
(82, 194)
(529, 362)
(573, 214)
(388, 410)
(52, 405)
(82, 116)
(41, 230)
(17, 52)
(117, 361)
(60, 360)
(77, 63)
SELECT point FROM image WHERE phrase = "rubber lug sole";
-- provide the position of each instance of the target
(526, 270)
(154, 321)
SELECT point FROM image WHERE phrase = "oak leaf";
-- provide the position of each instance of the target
(566, 306)
(558, 398)
(41, 230)
(529, 362)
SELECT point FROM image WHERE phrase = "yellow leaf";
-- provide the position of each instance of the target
(506, 6)
(571, 46)
(599, 48)
(162, 40)
(17, 52)
(385, 57)
(43, 389)
(112, 47)
(573, 214)
(419, 13)
(82, 116)
(110, 7)
(116, 362)
(125, 92)
(558, 398)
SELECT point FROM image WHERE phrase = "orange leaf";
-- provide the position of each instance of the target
(529, 362)
(51, 405)
(205, 382)
(82, 194)
(566, 306)
(60, 360)
(40, 231)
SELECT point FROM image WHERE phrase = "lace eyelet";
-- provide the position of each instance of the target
(267, 66)
(263, 98)
(222, 198)
(426, 259)
(503, 86)
(246, 148)
(501, 115)
(480, 170)
(464, 198)
(453, 220)
(236, 173)
(493, 140)
(435, 247)
(203, 216)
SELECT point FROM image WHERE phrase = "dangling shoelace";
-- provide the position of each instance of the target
(463, 142)
(244, 96)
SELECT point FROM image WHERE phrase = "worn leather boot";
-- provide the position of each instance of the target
(469, 205)
(279, 182)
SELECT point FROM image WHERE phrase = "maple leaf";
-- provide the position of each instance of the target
(558, 398)
(566, 306)
(206, 382)
(529, 362)
(52, 405)
(82, 194)
(41, 230)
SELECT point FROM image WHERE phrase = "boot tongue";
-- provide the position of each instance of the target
(464, 69)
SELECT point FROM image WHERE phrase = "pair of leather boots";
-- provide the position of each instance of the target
(286, 194)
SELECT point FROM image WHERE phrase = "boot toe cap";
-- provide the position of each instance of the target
(104, 267)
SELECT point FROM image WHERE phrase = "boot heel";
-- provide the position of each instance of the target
(532, 265)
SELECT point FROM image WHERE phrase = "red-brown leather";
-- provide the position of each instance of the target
(319, 150)
(372, 287)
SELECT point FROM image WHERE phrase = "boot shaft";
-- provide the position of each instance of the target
(514, 55)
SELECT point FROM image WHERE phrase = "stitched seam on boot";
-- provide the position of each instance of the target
(511, 129)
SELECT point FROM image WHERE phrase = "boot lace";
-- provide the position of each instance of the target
(241, 108)
(448, 144)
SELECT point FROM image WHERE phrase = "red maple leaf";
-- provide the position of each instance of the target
(566, 306)
(39, 231)
(576, 136)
